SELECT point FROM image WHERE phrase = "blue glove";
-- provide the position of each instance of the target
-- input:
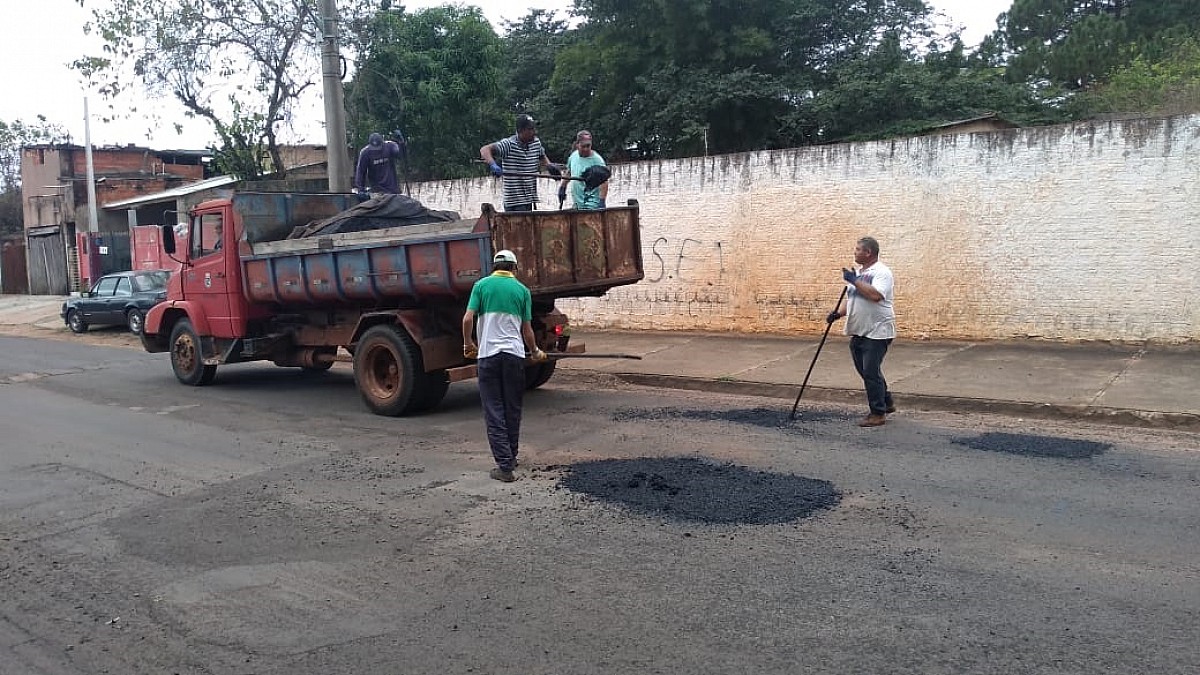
(496, 170)
(362, 195)
(553, 170)
(602, 203)
(562, 193)
(849, 275)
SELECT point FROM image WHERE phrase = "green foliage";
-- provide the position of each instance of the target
(437, 74)
(14, 136)
(1159, 79)
(1075, 43)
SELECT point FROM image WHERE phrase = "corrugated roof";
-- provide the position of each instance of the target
(172, 194)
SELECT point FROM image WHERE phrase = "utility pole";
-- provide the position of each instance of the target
(93, 218)
(337, 158)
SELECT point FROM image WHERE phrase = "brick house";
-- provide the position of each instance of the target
(55, 205)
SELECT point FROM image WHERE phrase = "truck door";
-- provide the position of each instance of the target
(206, 280)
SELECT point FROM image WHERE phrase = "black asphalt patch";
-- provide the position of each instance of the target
(767, 418)
(693, 490)
(1034, 446)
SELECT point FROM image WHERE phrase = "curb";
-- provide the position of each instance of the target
(923, 402)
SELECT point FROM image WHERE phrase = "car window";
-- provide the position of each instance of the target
(105, 286)
(124, 287)
(151, 281)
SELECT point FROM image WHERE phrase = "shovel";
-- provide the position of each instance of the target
(593, 176)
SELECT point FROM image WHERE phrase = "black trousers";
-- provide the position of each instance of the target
(868, 361)
(516, 208)
(502, 390)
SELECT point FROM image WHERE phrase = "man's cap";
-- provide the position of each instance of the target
(525, 122)
(505, 256)
(375, 140)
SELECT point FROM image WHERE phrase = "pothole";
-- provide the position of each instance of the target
(694, 490)
(767, 418)
(1031, 445)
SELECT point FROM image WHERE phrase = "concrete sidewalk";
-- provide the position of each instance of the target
(1157, 386)
(1154, 386)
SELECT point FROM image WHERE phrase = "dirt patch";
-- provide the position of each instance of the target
(693, 490)
(1034, 446)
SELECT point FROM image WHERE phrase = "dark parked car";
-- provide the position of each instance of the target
(120, 298)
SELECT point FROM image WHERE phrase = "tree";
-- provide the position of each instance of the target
(677, 78)
(239, 64)
(1161, 79)
(1075, 43)
(437, 74)
(14, 136)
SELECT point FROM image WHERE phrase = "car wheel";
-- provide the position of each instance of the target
(135, 320)
(75, 322)
(187, 356)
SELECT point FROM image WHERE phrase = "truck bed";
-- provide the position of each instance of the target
(561, 253)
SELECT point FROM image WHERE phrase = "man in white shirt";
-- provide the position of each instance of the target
(871, 325)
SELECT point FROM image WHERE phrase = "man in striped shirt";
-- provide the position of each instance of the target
(520, 153)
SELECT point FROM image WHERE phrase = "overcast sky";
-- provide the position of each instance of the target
(38, 38)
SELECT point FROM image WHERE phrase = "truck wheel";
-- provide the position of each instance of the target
(436, 385)
(75, 322)
(537, 375)
(135, 320)
(187, 356)
(388, 371)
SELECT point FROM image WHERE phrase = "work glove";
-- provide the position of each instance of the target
(538, 356)
(849, 275)
(470, 352)
(833, 316)
(362, 195)
(554, 170)
(602, 203)
(496, 170)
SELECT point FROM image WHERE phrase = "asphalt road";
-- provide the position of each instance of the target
(269, 525)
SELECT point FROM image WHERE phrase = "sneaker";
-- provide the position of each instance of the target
(872, 421)
(502, 475)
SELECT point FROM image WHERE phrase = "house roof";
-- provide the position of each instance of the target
(994, 117)
(172, 194)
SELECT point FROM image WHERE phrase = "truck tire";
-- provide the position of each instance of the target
(538, 374)
(187, 356)
(388, 371)
(436, 386)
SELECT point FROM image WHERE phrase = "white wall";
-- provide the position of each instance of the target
(1080, 232)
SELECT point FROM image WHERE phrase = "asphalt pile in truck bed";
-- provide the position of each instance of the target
(694, 490)
(377, 213)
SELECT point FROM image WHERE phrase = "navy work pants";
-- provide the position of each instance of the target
(501, 390)
(868, 361)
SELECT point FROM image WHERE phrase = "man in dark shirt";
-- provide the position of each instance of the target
(376, 170)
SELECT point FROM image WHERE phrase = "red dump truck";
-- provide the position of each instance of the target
(392, 298)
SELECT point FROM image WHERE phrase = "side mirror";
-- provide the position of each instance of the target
(168, 239)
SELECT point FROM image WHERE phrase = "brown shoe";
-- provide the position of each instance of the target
(502, 475)
(872, 421)
(891, 408)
